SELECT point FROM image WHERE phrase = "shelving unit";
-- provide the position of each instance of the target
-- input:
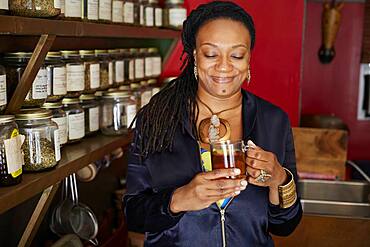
(40, 36)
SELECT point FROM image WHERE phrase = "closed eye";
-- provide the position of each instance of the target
(210, 56)
(238, 57)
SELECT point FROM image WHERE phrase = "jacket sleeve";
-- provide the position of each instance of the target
(282, 222)
(146, 209)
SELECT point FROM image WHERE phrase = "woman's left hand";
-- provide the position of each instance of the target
(260, 161)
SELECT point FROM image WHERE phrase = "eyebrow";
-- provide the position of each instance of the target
(234, 46)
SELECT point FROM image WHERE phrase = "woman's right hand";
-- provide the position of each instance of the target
(206, 188)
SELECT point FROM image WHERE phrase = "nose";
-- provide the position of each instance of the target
(224, 65)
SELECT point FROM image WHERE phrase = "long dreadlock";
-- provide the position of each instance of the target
(176, 103)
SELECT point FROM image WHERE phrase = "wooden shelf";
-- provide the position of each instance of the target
(16, 25)
(74, 157)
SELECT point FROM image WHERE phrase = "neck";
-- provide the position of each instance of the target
(217, 104)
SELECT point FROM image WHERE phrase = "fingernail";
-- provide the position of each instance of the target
(243, 188)
(237, 192)
(237, 171)
(251, 144)
(244, 183)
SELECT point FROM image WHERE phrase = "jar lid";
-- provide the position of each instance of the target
(174, 1)
(153, 50)
(143, 83)
(99, 93)
(124, 87)
(112, 89)
(114, 51)
(134, 50)
(135, 85)
(52, 105)
(87, 97)
(153, 1)
(67, 52)
(116, 94)
(33, 114)
(143, 50)
(87, 52)
(152, 81)
(101, 52)
(6, 118)
(70, 101)
(18, 55)
(53, 54)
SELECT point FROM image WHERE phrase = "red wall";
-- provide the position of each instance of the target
(276, 58)
(333, 88)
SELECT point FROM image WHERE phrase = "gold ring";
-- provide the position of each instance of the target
(263, 177)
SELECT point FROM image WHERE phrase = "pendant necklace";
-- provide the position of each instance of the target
(218, 128)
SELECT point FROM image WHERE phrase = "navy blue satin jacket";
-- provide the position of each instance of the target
(249, 218)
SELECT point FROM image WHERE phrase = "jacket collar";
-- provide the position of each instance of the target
(249, 109)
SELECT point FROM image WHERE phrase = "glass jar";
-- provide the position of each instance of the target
(90, 10)
(158, 14)
(11, 158)
(105, 11)
(3, 99)
(152, 84)
(139, 63)
(33, 8)
(174, 14)
(118, 66)
(92, 71)
(118, 110)
(41, 147)
(91, 108)
(146, 93)
(149, 12)
(75, 119)
(60, 117)
(138, 11)
(117, 11)
(156, 61)
(106, 69)
(75, 73)
(129, 12)
(73, 9)
(56, 76)
(15, 64)
(129, 58)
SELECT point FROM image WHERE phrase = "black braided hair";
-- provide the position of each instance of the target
(175, 105)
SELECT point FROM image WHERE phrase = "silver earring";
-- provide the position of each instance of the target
(195, 72)
(249, 75)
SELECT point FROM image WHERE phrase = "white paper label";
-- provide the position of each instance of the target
(130, 113)
(94, 75)
(110, 73)
(75, 77)
(105, 10)
(131, 72)
(128, 12)
(139, 68)
(145, 97)
(158, 17)
(119, 71)
(13, 153)
(73, 8)
(57, 145)
(156, 66)
(92, 9)
(62, 127)
(76, 126)
(148, 67)
(59, 81)
(4, 4)
(149, 16)
(94, 119)
(117, 11)
(62, 6)
(56, 4)
(40, 85)
(177, 16)
(142, 15)
(3, 99)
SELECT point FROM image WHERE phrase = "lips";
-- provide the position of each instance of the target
(222, 80)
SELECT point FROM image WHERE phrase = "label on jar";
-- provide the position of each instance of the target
(110, 73)
(40, 85)
(107, 115)
(149, 16)
(148, 67)
(76, 126)
(56, 4)
(105, 10)
(94, 75)
(139, 68)
(59, 81)
(176, 16)
(75, 77)
(131, 71)
(145, 97)
(62, 6)
(117, 11)
(4, 4)
(130, 112)
(92, 9)
(119, 71)
(62, 127)
(142, 15)
(156, 66)
(158, 17)
(128, 12)
(13, 153)
(94, 119)
(3, 90)
(57, 145)
(73, 8)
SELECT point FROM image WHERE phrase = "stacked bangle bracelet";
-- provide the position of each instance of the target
(287, 192)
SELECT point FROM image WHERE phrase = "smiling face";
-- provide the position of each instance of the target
(222, 56)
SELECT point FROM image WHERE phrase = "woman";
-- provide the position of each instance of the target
(172, 196)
